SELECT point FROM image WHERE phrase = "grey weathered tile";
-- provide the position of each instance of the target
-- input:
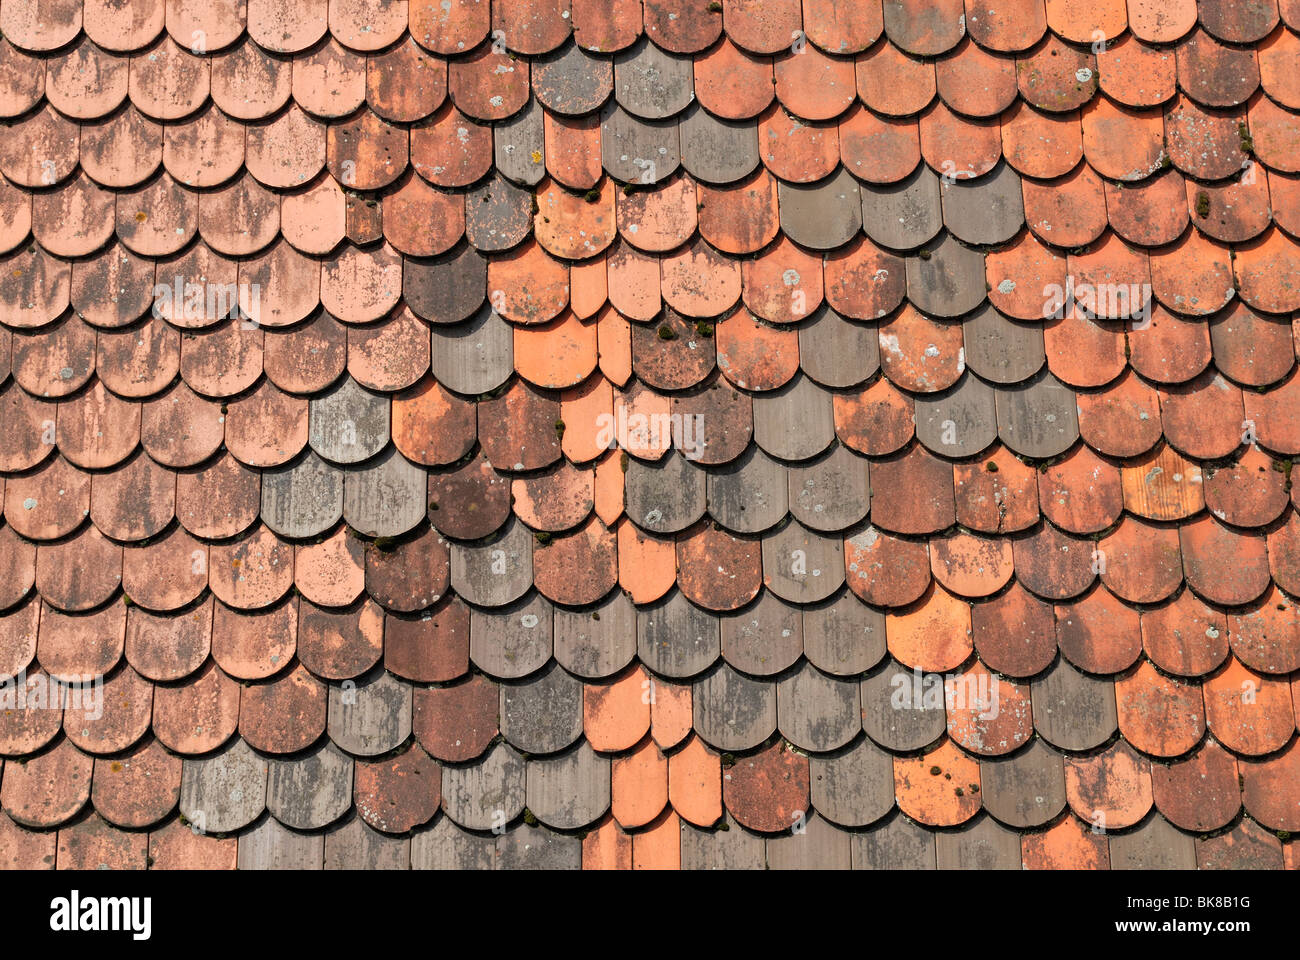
(796, 422)
(370, 715)
(599, 642)
(816, 711)
(1002, 350)
(819, 846)
(572, 81)
(837, 352)
(348, 423)
(897, 844)
(665, 496)
(475, 356)
(638, 151)
(854, 786)
(733, 711)
(310, 790)
(272, 846)
(512, 641)
(982, 844)
(495, 571)
(542, 714)
(1039, 417)
(304, 498)
(445, 846)
(832, 492)
(903, 215)
(1072, 710)
(652, 83)
(823, 215)
(802, 565)
(734, 848)
(445, 289)
(675, 638)
(570, 790)
(749, 494)
(498, 215)
(889, 712)
(764, 638)
(986, 210)
(945, 279)
(1026, 789)
(959, 422)
(844, 636)
(519, 145)
(225, 790)
(716, 150)
(385, 497)
(487, 793)
(537, 848)
(355, 845)
(1154, 845)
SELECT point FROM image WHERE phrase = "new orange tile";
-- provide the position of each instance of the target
(939, 788)
(934, 634)
(639, 785)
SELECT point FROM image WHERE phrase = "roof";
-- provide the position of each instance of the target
(657, 434)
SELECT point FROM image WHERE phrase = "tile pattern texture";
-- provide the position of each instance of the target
(650, 433)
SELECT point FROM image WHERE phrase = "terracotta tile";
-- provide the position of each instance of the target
(178, 847)
(754, 356)
(783, 284)
(1203, 542)
(1264, 636)
(958, 146)
(286, 152)
(634, 282)
(695, 783)
(939, 788)
(974, 82)
(862, 281)
(452, 29)
(672, 356)
(219, 500)
(252, 573)
(554, 501)
(120, 721)
(365, 24)
(1269, 792)
(1070, 845)
(92, 844)
(34, 295)
(414, 202)
(527, 285)
(996, 494)
(1040, 144)
(575, 227)
(1069, 212)
(1122, 143)
(970, 565)
(607, 847)
(1081, 493)
(699, 282)
(1203, 418)
(359, 286)
(671, 717)
(163, 647)
(1150, 212)
(330, 81)
(432, 649)
(1135, 74)
(1233, 211)
(405, 84)
(1162, 485)
(488, 85)
(48, 503)
(27, 434)
(579, 567)
(249, 83)
(39, 137)
(167, 81)
(1284, 552)
(767, 790)
(22, 849)
(49, 789)
(28, 730)
(733, 83)
(1019, 273)
(1006, 27)
(1015, 633)
(1248, 846)
(285, 714)
(1052, 75)
(331, 573)
(647, 566)
(267, 427)
(1121, 420)
(1204, 145)
(1246, 710)
(1158, 715)
(1273, 53)
(986, 715)
(1199, 792)
(913, 493)
(639, 785)
(15, 216)
(167, 573)
(197, 716)
(19, 559)
(893, 83)
(1169, 349)
(1142, 561)
(921, 354)
(572, 150)
(54, 362)
(140, 362)
(393, 795)
(1249, 492)
(1253, 349)
(1111, 789)
(588, 287)
(74, 219)
(1052, 564)
(122, 150)
(934, 634)
(717, 570)
(681, 27)
(458, 722)
(79, 573)
(1239, 26)
(1098, 633)
(307, 358)
(1257, 267)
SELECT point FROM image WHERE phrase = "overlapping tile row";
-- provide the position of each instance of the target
(618, 425)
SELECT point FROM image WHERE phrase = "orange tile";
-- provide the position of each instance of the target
(695, 783)
(921, 354)
(1185, 637)
(733, 83)
(558, 354)
(1069, 212)
(767, 790)
(451, 150)
(755, 356)
(740, 218)
(528, 285)
(782, 284)
(572, 148)
(421, 221)
(939, 788)
(1110, 790)
(1084, 352)
(616, 715)
(1008, 27)
(639, 785)
(987, 715)
(1258, 266)
(1246, 711)
(572, 226)
(796, 150)
(973, 566)
(331, 573)
(1019, 273)
(659, 218)
(1041, 144)
(893, 83)
(697, 281)
(975, 82)
(959, 146)
(934, 634)
(670, 716)
(449, 28)
(488, 85)
(606, 24)
(1081, 492)
(647, 567)
(1069, 845)
(1082, 22)
(878, 149)
(1122, 143)
(862, 281)
(1160, 716)
(1098, 633)
(634, 284)
(884, 570)
(658, 847)
(717, 570)
(1143, 563)
(607, 847)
